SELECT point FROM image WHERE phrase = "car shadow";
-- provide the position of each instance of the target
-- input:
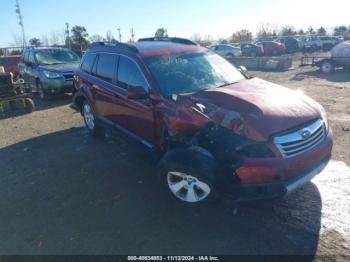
(338, 76)
(52, 102)
(69, 193)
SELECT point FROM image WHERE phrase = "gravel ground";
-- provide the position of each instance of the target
(64, 192)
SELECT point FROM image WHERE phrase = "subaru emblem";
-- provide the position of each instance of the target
(305, 134)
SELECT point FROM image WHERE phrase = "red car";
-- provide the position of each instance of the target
(272, 48)
(10, 64)
(216, 130)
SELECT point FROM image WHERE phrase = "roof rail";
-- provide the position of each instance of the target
(118, 45)
(169, 39)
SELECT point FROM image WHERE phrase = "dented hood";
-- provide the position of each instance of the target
(255, 108)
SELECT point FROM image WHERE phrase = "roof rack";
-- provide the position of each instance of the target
(118, 45)
(169, 39)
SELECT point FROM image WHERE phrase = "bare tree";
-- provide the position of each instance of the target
(45, 40)
(311, 30)
(55, 38)
(96, 38)
(110, 37)
(266, 30)
(242, 35)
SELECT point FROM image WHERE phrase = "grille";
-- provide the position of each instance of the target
(68, 76)
(300, 141)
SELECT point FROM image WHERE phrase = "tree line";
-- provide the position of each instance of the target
(79, 39)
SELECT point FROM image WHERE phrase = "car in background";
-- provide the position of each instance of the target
(328, 42)
(251, 50)
(10, 64)
(226, 50)
(272, 47)
(290, 43)
(215, 130)
(49, 70)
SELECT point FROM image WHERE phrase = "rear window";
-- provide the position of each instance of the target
(88, 62)
(105, 67)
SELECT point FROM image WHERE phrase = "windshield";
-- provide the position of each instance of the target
(191, 72)
(56, 56)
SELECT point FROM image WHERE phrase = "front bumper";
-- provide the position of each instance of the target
(275, 177)
(57, 86)
(279, 189)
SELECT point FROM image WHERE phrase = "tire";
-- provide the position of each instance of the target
(90, 120)
(327, 67)
(189, 176)
(230, 55)
(29, 105)
(43, 96)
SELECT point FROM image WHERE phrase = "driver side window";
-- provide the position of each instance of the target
(130, 75)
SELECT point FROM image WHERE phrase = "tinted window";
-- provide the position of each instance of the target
(25, 56)
(105, 67)
(31, 57)
(87, 63)
(129, 74)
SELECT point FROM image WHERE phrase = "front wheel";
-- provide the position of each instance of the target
(189, 176)
(42, 94)
(90, 120)
(29, 105)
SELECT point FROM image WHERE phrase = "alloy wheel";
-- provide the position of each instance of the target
(88, 117)
(187, 188)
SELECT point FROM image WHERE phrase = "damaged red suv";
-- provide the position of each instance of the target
(217, 131)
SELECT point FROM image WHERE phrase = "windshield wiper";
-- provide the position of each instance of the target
(227, 84)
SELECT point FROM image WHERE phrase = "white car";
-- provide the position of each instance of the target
(226, 50)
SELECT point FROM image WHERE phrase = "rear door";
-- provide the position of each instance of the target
(103, 93)
(134, 115)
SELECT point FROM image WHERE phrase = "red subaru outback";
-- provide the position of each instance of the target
(216, 130)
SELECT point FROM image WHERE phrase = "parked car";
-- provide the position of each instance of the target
(272, 47)
(290, 43)
(328, 42)
(251, 50)
(49, 71)
(216, 130)
(314, 43)
(226, 50)
(10, 64)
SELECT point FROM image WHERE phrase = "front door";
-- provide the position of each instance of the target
(135, 115)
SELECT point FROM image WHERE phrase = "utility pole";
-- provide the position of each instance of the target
(132, 35)
(20, 22)
(120, 35)
(67, 36)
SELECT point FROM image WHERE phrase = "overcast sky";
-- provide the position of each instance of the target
(219, 18)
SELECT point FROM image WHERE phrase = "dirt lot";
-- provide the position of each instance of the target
(64, 192)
